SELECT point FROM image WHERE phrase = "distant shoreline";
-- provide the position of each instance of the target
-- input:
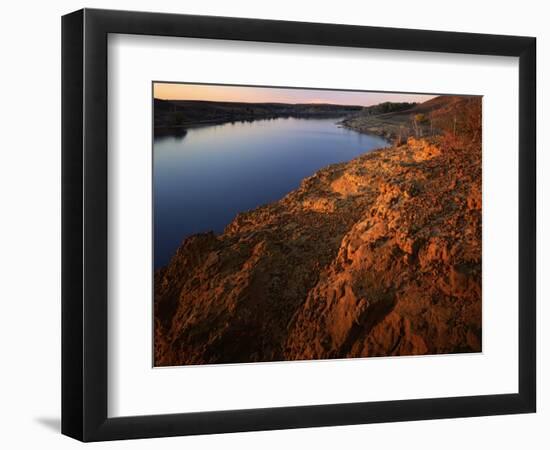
(183, 128)
(173, 116)
(388, 120)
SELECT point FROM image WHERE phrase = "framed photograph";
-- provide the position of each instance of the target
(273, 224)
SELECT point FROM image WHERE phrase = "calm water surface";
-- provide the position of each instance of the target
(203, 179)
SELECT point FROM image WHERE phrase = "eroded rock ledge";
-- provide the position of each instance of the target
(377, 256)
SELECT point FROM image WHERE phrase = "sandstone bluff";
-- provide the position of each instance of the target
(378, 256)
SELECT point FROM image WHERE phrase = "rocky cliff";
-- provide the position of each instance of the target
(374, 257)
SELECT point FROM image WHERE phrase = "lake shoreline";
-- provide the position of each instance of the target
(183, 128)
(183, 114)
(376, 256)
(291, 150)
(356, 237)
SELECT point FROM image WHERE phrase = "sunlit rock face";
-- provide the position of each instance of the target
(378, 256)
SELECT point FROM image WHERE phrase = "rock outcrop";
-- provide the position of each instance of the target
(374, 257)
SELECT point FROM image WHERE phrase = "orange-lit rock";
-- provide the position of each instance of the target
(375, 257)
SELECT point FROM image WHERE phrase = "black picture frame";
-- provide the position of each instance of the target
(84, 224)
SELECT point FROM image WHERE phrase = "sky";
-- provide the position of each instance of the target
(181, 91)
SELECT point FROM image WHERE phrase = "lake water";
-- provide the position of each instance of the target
(203, 179)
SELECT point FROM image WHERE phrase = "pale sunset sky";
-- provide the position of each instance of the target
(180, 91)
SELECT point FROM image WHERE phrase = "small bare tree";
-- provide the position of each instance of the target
(400, 138)
(418, 120)
(414, 126)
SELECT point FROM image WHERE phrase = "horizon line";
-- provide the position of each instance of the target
(251, 94)
(286, 103)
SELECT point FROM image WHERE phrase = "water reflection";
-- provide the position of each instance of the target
(176, 132)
